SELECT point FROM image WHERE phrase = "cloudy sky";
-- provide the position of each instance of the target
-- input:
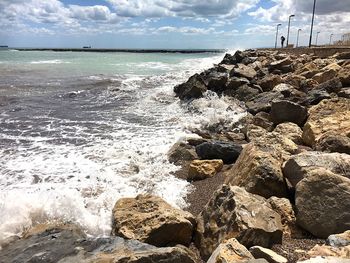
(165, 23)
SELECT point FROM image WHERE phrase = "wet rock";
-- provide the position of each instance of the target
(202, 169)
(330, 142)
(234, 213)
(243, 71)
(327, 116)
(299, 166)
(339, 240)
(150, 219)
(321, 202)
(192, 89)
(258, 171)
(290, 130)
(215, 81)
(287, 111)
(180, 152)
(268, 254)
(234, 83)
(228, 152)
(230, 251)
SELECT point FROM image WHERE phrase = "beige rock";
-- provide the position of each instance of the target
(243, 71)
(339, 240)
(320, 259)
(285, 209)
(290, 130)
(328, 115)
(344, 76)
(268, 254)
(325, 75)
(328, 251)
(300, 166)
(232, 212)
(150, 219)
(332, 66)
(202, 169)
(322, 202)
(230, 251)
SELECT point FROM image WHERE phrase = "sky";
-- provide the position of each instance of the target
(185, 24)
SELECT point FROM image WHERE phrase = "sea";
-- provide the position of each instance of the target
(79, 130)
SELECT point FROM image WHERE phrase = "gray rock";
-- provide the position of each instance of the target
(344, 93)
(192, 89)
(262, 102)
(234, 83)
(287, 111)
(244, 72)
(228, 152)
(180, 152)
(339, 240)
(232, 212)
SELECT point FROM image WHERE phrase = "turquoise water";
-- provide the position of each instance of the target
(78, 131)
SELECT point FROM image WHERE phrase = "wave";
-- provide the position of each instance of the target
(53, 61)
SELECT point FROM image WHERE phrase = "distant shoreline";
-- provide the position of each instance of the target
(105, 50)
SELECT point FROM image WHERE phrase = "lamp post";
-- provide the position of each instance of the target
(317, 36)
(298, 37)
(277, 34)
(312, 22)
(289, 28)
(330, 39)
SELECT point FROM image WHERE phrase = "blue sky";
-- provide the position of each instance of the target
(165, 23)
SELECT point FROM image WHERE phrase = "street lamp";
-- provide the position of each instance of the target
(317, 36)
(277, 34)
(312, 22)
(330, 39)
(288, 28)
(298, 37)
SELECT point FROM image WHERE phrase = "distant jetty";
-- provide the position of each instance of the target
(184, 51)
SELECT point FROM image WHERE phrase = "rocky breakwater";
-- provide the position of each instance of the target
(274, 187)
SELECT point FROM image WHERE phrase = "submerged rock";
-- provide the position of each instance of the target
(232, 212)
(150, 219)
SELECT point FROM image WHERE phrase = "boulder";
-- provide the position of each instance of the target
(150, 219)
(262, 102)
(332, 85)
(202, 169)
(269, 82)
(230, 251)
(343, 55)
(290, 130)
(344, 93)
(344, 76)
(339, 240)
(331, 142)
(315, 96)
(243, 71)
(263, 120)
(268, 254)
(228, 152)
(285, 209)
(192, 89)
(327, 251)
(49, 243)
(322, 204)
(299, 166)
(232, 212)
(214, 80)
(258, 171)
(328, 115)
(324, 76)
(320, 259)
(281, 65)
(234, 83)
(180, 152)
(246, 93)
(287, 111)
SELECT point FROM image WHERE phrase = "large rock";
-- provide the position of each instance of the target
(262, 102)
(332, 142)
(244, 72)
(230, 251)
(323, 259)
(232, 212)
(287, 111)
(290, 130)
(150, 219)
(202, 169)
(234, 83)
(258, 171)
(269, 82)
(324, 76)
(181, 152)
(215, 81)
(69, 243)
(268, 254)
(344, 76)
(299, 166)
(327, 116)
(192, 89)
(283, 65)
(322, 203)
(228, 152)
(328, 251)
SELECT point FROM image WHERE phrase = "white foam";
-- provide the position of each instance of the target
(53, 61)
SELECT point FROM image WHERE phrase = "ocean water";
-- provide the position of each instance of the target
(78, 131)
